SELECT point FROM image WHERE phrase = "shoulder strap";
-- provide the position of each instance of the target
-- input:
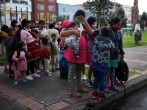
(114, 38)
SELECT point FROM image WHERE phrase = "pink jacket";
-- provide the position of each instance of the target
(26, 37)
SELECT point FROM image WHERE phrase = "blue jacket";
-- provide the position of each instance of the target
(101, 49)
(116, 38)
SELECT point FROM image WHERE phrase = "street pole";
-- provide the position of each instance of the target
(0, 16)
(16, 13)
(5, 11)
(21, 12)
(27, 12)
(10, 14)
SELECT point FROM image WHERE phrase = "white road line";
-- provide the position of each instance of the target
(138, 61)
(137, 52)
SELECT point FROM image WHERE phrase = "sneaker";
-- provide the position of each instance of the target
(38, 71)
(117, 83)
(82, 90)
(75, 94)
(95, 94)
(112, 88)
(89, 84)
(36, 75)
(16, 83)
(29, 77)
(49, 74)
(101, 96)
(108, 85)
(24, 80)
(84, 77)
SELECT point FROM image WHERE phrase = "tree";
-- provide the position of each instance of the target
(120, 13)
(143, 20)
(101, 9)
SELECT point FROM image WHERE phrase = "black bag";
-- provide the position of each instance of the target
(122, 71)
(63, 68)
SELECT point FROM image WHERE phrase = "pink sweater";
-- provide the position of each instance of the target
(26, 37)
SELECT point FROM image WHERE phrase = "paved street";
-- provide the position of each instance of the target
(136, 58)
(137, 101)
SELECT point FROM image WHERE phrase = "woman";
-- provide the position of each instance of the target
(115, 55)
(76, 65)
(32, 47)
(93, 24)
(137, 35)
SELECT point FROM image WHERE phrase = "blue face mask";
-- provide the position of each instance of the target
(78, 21)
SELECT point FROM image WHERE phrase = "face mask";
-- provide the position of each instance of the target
(78, 21)
(116, 28)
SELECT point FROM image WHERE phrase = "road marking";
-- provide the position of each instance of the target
(138, 61)
(137, 52)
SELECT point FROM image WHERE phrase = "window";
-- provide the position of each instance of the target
(51, 0)
(65, 9)
(40, 7)
(51, 8)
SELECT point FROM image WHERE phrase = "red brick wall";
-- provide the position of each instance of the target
(46, 3)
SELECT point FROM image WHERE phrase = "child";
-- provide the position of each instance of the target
(19, 65)
(35, 34)
(46, 51)
(54, 52)
(72, 41)
(10, 44)
(100, 58)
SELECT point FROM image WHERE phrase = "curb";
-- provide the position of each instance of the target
(131, 86)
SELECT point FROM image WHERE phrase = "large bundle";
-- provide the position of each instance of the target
(3, 35)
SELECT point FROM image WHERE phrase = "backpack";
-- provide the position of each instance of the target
(63, 68)
(122, 71)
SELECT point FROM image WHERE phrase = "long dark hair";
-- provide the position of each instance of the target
(114, 21)
(79, 13)
(19, 45)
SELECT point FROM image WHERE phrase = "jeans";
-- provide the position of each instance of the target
(99, 72)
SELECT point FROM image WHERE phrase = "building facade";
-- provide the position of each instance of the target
(44, 10)
(66, 11)
(128, 14)
(14, 9)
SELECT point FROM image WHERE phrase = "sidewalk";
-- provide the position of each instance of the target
(50, 93)
(35, 96)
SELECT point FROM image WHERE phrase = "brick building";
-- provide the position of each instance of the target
(44, 10)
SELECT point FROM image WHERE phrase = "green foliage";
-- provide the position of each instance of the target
(100, 8)
(121, 14)
(144, 16)
(143, 20)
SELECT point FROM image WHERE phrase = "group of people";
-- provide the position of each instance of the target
(29, 48)
(100, 48)
(80, 43)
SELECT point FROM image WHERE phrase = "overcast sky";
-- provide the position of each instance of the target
(142, 3)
